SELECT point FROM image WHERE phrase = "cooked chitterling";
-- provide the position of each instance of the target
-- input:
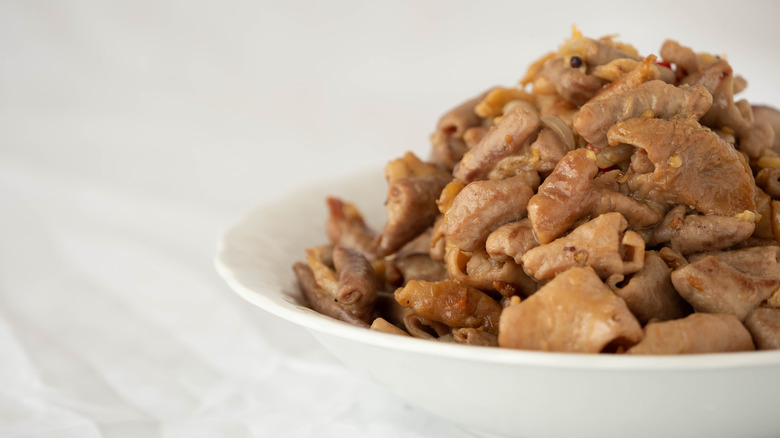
(511, 241)
(574, 85)
(451, 303)
(696, 333)
(382, 325)
(574, 312)
(346, 227)
(718, 78)
(734, 282)
(686, 60)
(483, 206)
(553, 141)
(769, 180)
(649, 292)
(317, 299)
(690, 233)
(564, 197)
(473, 336)
(770, 116)
(357, 286)
(503, 140)
(477, 269)
(447, 141)
(411, 209)
(417, 266)
(693, 166)
(602, 243)
(764, 325)
(659, 98)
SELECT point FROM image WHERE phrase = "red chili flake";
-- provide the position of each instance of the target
(665, 64)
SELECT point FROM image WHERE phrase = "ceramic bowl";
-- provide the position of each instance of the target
(494, 392)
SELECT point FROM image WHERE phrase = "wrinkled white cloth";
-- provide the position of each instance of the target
(133, 133)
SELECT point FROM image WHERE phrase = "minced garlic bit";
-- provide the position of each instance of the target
(727, 130)
(514, 300)
(648, 114)
(591, 155)
(675, 161)
(747, 216)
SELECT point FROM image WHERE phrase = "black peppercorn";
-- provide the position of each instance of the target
(575, 62)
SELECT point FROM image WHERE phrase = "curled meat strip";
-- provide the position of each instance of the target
(571, 193)
(770, 116)
(602, 243)
(572, 84)
(503, 140)
(696, 333)
(345, 227)
(411, 209)
(718, 79)
(693, 166)
(448, 145)
(686, 60)
(659, 98)
(510, 241)
(764, 325)
(321, 301)
(649, 293)
(734, 282)
(451, 303)
(477, 269)
(574, 312)
(482, 206)
(690, 233)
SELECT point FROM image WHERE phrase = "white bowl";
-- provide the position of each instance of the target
(496, 392)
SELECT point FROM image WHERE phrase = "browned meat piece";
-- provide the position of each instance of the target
(357, 284)
(718, 79)
(575, 312)
(542, 155)
(598, 52)
(382, 325)
(638, 214)
(572, 84)
(320, 260)
(447, 141)
(399, 270)
(764, 325)
(664, 100)
(411, 209)
(419, 327)
(642, 72)
(320, 301)
(451, 303)
(601, 243)
(696, 333)
(565, 196)
(734, 282)
(763, 228)
(477, 269)
(472, 336)
(684, 57)
(555, 105)
(769, 180)
(693, 166)
(696, 233)
(438, 239)
(346, 227)
(510, 241)
(649, 293)
(759, 138)
(483, 206)
(766, 114)
(503, 140)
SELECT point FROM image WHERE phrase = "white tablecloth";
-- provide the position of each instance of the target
(133, 133)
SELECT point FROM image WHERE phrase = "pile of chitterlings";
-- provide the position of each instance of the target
(608, 203)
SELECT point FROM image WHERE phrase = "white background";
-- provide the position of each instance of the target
(133, 133)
